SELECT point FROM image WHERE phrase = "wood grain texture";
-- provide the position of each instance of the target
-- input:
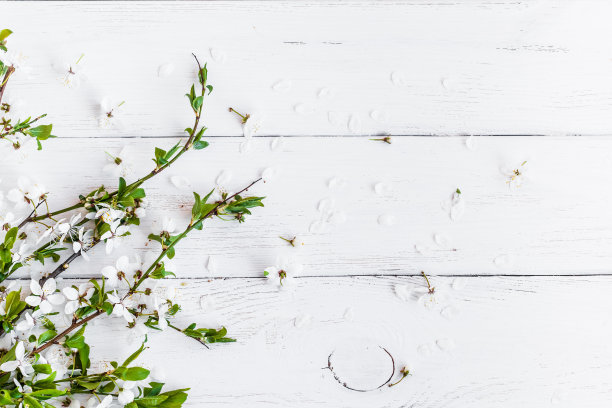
(534, 342)
(557, 222)
(529, 67)
(471, 67)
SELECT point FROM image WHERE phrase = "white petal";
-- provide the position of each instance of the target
(49, 286)
(35, 288)
(123, 263)
(33, 300)
(20, 351)
(125, 397)
(46, 307)
(9, 366)
(71, 307)
(180, 182)
(56, 298)
(109, 272)
(71, 293)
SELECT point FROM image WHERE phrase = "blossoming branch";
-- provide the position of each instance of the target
(14, 129)
(45, 358)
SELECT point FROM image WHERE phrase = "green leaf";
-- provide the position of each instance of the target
(42, 368)
(31, 402)
(135, 374)
(5, 398)
(42, 132)
(10, 238)
(134, 355)
(5, 33)
(200, 144)
(196, 104)
(47, 393)
(46, 336)
(122, 186)
(138, 193)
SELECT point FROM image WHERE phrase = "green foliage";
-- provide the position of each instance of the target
(13, 307)
(208, 335)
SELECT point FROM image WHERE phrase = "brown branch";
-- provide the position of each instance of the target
(73, 326)
(8, 74)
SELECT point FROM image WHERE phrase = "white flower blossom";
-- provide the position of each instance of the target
(119, 165)
(27, 192)
(161, 310)
(77, 297)
(109, 114)
(20, 361)
(45, 296)
(167, 227)
(283, 272)
(121, 307)
(515, 178)
(72, 73)
(252, 125)
(119, 272)
(29, 321)
(94, 402)
(83, 242)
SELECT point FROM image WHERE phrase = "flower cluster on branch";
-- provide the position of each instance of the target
(44, 356)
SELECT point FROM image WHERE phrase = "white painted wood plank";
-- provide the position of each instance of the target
(558, 222)
(530, 67)
(527, 342)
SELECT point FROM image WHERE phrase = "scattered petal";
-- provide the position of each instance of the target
(471, 142)
(325, 93)
(459, 283)
(349, 314)
(449, 312)
(180, 182)
(424, 350)
(245, 146)
(277, 143)
(445, 344)
(422, 249)
(337, 217)
(383, 188)
(207, 303)
(217, 55)
(354, 124)
(502, 261)
(304, 109)
(380, 116)
(302, 320)
(224, 177)
(398, 78)
(336, 183)
(284, 85)
(317, 226)
(268, 174)
(165, 70)
(326, 205)
(211, 265)
(442, 240)
(402, 292)
(387, 220)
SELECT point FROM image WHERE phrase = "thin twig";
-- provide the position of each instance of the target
(345, 385)
(8, 74)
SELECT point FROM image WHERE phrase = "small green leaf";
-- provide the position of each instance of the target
(5, 33)
(200, 144)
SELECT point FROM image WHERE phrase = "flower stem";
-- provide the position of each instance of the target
(99, 312)
(8, 74)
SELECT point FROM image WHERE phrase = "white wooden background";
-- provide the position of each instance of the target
(531, 79)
